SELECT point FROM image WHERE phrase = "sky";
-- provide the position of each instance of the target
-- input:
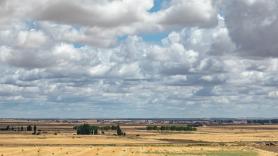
(138, 58)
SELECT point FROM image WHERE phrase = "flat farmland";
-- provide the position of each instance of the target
(61, 139)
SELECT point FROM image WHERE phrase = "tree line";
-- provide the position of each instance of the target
(20, 128)
(171, 128)
(87, 129)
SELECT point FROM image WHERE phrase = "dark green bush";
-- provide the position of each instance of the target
(87, 130)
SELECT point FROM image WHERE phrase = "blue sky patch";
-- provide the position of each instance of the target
(154, 37)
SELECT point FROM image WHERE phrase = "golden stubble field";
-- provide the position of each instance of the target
(210, 141)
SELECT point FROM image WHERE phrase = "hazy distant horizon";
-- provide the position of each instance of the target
(123, 119)
(138, 59)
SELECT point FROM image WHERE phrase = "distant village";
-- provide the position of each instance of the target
(194, 122)
(155, 121)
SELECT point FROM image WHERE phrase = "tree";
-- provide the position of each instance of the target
(94, 130)
(83, 129)
(87, 130)
(29, 128)
(35, 129)
(120, 131)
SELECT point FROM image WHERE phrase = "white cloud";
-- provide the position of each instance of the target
(101, 22)
(66, 53)
(31, 39)
(99, 70)
(100, 13)
(188, 13)
(88, 56)
(273, 94)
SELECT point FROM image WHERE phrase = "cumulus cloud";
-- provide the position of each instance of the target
(95, 13)
(253, 26)
(100, 22)
(93, 57)
(31, 39)
(194, 13)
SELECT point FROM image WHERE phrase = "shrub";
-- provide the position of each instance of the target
(119, 131)
(114, 127)
(152, 128)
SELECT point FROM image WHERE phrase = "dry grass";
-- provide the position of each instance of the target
(218, 141)
(130, 151)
